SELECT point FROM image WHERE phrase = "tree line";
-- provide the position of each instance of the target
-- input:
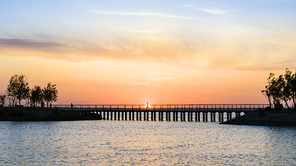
(18, 89)
(281, 89)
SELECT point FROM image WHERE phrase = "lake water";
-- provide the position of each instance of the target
(144, 143)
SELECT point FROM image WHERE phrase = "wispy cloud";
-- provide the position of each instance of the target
(156, 79)
(148, 14)
(139, 31)
(207, 10)
(24, 43)
(213, 11)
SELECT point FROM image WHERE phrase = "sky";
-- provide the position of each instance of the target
(156, 51)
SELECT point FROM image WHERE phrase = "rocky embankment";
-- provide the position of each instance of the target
(266, 118)
(41, 114)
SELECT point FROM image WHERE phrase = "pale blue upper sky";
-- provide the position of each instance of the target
(91, 24)
(48, 17)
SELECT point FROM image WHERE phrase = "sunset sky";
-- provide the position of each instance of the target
(160, 51)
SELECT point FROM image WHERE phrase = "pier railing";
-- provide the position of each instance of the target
(162, 107)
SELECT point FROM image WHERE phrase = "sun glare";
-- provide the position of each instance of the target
(147, 106)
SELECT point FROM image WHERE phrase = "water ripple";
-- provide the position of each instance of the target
(144, 143)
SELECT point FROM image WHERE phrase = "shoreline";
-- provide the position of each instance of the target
(42, 114)
(266, 118)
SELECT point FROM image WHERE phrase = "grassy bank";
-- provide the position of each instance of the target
(41, 114)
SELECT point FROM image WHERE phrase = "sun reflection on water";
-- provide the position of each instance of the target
(144, 143)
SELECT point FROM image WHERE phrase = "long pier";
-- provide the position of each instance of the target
(165, 112)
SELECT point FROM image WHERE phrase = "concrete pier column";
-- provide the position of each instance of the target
(237, 115)
(174, 116)
(125, 114)
(111, 115)
(107, 115)
(195, 113)
(159, 116)
(191, 117)
(151, 116)
(140, 116)
(188, 116)
(211, 117)
(181, 116)
(154, 116)
(230, 115)
(130, 116)
(219, 116)
(203, 117)
(166, 116)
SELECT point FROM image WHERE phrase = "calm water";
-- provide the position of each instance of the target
(144, 143)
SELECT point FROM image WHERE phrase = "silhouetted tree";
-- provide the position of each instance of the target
(50, 93)
(282, 88)
(2, 100)
(36, 96)
(290, 78)
(18, 88)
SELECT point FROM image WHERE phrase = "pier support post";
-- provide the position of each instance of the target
(137, 115)
(130, 115)
(174, 116)
(181, 116)
(195, 113)
(237, 114)
(204, 117)
(228, 116)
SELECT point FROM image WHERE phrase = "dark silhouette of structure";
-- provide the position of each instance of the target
(174, 112)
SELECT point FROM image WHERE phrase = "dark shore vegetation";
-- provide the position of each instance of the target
(42, 114)
(33, 109)
(267, 117)
(281, 94)
(281, 90)
(18, 89)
